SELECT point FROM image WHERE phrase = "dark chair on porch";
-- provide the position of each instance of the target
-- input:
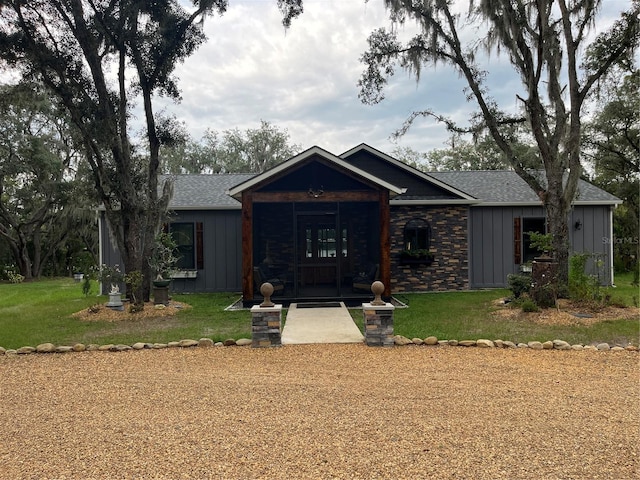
(261, 275)
(363, 280)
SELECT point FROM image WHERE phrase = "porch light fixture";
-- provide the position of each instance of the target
(578, 225)
(315, 193)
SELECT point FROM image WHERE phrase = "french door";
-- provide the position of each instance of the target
(321, 244)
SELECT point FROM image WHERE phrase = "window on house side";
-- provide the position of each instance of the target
(417, 235)
(531, 224)
(183, 235)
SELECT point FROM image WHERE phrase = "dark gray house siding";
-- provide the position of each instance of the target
(492, 243)
(221, 249)
(590, 231)
(491, 240)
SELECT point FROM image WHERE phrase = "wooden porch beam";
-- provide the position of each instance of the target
(385, 242)
(247, 246)
(282, 197)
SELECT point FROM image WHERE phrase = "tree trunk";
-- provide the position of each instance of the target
(557, 215)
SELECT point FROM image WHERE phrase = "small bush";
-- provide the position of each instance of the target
(529, 306)
(13, 276)
(519, 283)
(582, 286)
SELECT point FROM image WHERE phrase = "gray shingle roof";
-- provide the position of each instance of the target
(506, 187)
(203, 192)
(195, 192)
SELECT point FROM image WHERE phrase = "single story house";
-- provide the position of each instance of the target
(324, 226)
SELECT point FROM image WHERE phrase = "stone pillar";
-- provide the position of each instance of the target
(378, 324)
(266, 326)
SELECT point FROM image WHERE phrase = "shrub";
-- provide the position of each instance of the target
(13, 276)
(582, 286)
(519, 283)
(529, 305)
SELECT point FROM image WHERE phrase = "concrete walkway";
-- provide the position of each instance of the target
(320, 324)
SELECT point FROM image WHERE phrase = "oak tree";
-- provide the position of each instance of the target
(544, 41)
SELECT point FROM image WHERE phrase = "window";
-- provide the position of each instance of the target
(417, 235)
(523, 251)
(189, 248)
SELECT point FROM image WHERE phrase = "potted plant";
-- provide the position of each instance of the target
(163, 259)
(418, 256)
(543, 243)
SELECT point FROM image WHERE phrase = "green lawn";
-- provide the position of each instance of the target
(38, 312)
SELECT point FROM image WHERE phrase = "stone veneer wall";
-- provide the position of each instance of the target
(449, 245)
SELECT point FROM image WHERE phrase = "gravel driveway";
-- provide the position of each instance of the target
(321, 411)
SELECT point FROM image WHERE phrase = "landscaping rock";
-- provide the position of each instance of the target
(590, 347)
(603, 346)
(431, 341)
(79, 347)
(548, 345)
(2, 351)
(158, 346)
(173, 344)
(561, 345)
(499, 343)
(536, 345)
(64, 349)
(138, 346)
(401, 340)
(25, 350)
(417, 341)
(205, 342)
(92, 347)
(45, 348)
(630, 348)
(522, 345)
(121, 348)
(444, 343)
(188, 343)
(243, 342)
(453, 343)
(467, 343)
(617, 348)
(106, 348)
(508, 344)
(218, 344)
(230, 342)
(577, 347)
(484, 343)
(11, 351)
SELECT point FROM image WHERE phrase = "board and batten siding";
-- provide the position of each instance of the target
(491, 240)
(222, 252)
(221, 249)
(593, 236)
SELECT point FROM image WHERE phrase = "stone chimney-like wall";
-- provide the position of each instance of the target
(449, 245)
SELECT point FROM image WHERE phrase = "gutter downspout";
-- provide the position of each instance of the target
(611, 240)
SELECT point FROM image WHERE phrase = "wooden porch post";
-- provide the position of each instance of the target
(385, 242)
(247, 246)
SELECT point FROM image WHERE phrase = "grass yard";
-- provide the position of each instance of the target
(38, 312)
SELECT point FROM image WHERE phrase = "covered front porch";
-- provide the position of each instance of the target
(317, 229)
(314, 251)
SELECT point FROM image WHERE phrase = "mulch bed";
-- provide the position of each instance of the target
(102, 313)
(567, 313)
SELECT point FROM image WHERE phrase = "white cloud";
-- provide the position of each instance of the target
(304, 79)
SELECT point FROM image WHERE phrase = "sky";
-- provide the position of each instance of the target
(304, 79)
